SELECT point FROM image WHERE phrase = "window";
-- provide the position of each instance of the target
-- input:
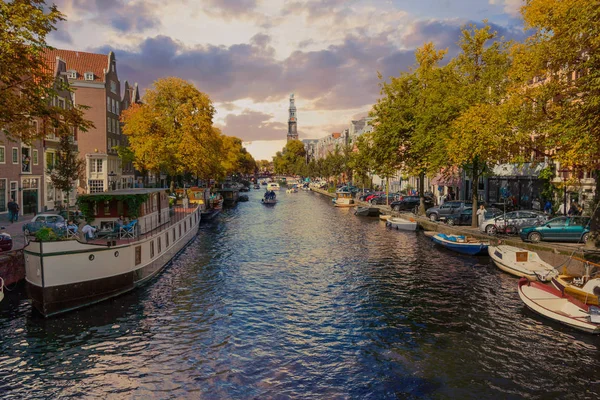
(117, 104)
(4, 200)
(152, 249)
(113, 84)
(72, 74)
(98, 165)
(89, 76)
(159, 245)
(173, 235)
(61, 103)
(108, 124)
(179, 230)
(558, 222)
(2, 155)
(138, 255)
(107, 103)
(114, 109)
(15, 155)
(106, 207)
(96, 185)
(50, 160)
(35, 157)
(166, 234)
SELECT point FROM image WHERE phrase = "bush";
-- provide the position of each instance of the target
(46, 234)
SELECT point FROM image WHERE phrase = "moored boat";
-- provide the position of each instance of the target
(343, 199)
(582, 288)
(460, 243)
(401, 224)
(558, 306)
(384, 217)
(521, 262)
(367, 211)
(69, 274)
(273, 186)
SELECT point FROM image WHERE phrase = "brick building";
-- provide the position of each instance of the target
(95, 82)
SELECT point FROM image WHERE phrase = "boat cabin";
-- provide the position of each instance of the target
(343, 195)
(196, 195)
(148, 206)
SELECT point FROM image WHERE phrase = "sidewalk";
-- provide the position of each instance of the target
(15, 229)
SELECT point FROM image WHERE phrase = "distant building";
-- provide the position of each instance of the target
(292, 121)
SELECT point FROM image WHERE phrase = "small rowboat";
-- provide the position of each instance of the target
(401, 224)
(553, 304)
(459, 243)
(584, 290)
(521, 262)
(384, 217)
(367, 211)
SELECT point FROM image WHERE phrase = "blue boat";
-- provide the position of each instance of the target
(460, 243)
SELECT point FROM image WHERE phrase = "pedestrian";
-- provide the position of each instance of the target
(579, 209)
(548, 207)
(561, 209)
(573, 209)
(535, 204)
(13, 211)
(480, 215)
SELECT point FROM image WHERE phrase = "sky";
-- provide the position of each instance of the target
(250, 55)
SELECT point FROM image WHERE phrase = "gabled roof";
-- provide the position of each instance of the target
(83, 62)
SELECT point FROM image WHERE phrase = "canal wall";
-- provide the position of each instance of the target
(563, 256)
(12, 266)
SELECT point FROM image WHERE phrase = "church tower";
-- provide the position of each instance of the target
(292, 127)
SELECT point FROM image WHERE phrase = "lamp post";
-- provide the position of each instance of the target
(564, 173)
(111, 180)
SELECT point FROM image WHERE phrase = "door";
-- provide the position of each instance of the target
(556, 229)
(30, 201)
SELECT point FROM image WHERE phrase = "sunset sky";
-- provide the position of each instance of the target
(249, 55)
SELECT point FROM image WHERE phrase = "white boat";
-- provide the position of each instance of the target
(554, 304)
(344, 199)
(384, 217)
(273, 186)
(401, 224)
(69, 274)
(522, 263)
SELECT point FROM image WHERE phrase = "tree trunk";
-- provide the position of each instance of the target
(594, 237)
(474, 184)
(422, 193)
(387, 190)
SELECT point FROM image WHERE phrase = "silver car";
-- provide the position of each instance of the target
(513, 221)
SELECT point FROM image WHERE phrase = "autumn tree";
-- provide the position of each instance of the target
(26, 81)
(480, 135)
(68, 167)
(288, 160)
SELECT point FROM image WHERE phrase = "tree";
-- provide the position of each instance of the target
(26, 82)
(68, 167)
(555, 92)
(361, 161)
(287, 161)
(480, 134)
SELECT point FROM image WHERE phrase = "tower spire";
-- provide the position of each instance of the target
(292, 122)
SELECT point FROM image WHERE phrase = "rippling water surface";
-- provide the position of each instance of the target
(302, 300)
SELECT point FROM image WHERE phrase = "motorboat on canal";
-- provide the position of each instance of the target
(460, 243)
(270, 198)
(402, 224)
(558, 306)
(384, 217)
(521, 263)
(65, 275)
(273, 186)
(367, 211)
(230, 193)
(343, 199)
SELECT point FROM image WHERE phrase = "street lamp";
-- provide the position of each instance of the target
(111, 180)
(564, 173)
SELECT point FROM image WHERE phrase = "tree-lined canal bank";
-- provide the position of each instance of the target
(302, 300)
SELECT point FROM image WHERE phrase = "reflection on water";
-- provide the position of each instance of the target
(302, 300)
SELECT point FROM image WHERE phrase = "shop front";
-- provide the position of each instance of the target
(30, 195)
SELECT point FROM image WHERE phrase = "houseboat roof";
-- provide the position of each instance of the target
(121, 192)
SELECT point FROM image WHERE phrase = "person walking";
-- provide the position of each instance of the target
(548, 207)
(13, 211)
(480, 215)
(561, 209)
(536, 205)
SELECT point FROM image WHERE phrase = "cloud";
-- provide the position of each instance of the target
(253, 125)
(123, 16)
(511, 7)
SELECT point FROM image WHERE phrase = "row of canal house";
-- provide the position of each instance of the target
(24, 167)
(518, 181)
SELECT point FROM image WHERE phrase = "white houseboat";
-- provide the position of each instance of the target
(68, 274)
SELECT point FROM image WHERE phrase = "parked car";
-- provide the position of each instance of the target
(465, 217)
(53, 221)
(563, 229)
(363, 195)
(6, 242)
(406, 203)
(373, 195)
(513, 221)
(448, 208)
(381, 199)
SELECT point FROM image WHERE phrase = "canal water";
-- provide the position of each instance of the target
(302, 300)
